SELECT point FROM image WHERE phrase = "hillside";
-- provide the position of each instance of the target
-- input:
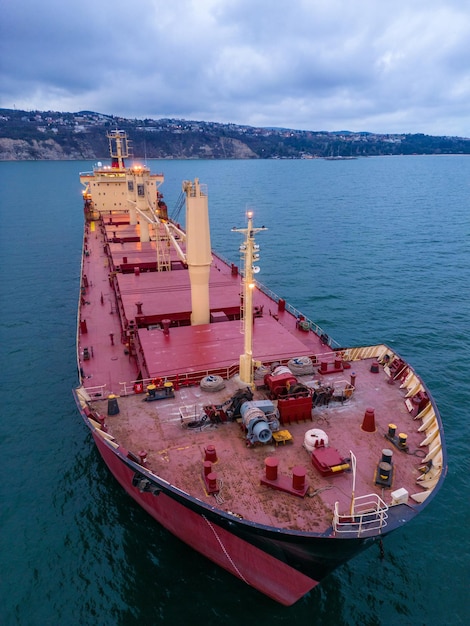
(37, 135)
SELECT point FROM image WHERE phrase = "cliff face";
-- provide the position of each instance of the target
(52, 150)
(210, 148)
(229, 148)
(34, 150)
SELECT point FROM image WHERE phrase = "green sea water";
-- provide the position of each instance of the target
(374, 250)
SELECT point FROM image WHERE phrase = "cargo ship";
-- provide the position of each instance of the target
(231, 417)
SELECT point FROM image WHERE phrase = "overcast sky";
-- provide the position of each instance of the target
(375, 65)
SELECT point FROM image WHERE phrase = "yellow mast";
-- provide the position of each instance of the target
(198, 250)
(118, 148)
(250, 254)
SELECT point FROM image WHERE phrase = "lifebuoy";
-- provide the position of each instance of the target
(138, 387)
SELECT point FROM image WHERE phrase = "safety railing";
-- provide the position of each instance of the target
(271, 294)
(296, 313)
(368, 514)
(98, 392)
(185, 379)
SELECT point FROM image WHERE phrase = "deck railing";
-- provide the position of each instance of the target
(186, 379)
(368, 514)
(98, 392)
(271, 294)
(296, 313)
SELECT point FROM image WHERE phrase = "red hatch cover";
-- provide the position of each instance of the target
(328, 461)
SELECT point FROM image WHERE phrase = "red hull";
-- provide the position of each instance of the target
(253, 566)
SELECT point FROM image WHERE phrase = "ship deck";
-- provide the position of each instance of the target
(120, 288)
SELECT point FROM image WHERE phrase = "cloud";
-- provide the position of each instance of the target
(364, 65)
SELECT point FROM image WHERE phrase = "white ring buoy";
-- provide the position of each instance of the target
(315, 437)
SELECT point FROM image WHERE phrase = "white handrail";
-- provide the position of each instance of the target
(368, 513)
(97, 392)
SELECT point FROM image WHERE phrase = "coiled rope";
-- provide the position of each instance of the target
(261, 371)
(301, 365)
(212, 383)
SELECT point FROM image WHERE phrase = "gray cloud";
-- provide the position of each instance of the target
(381, 66)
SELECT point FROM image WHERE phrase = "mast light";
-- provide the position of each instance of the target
(249, 254)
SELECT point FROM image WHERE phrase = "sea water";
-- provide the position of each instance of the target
(374, 250)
